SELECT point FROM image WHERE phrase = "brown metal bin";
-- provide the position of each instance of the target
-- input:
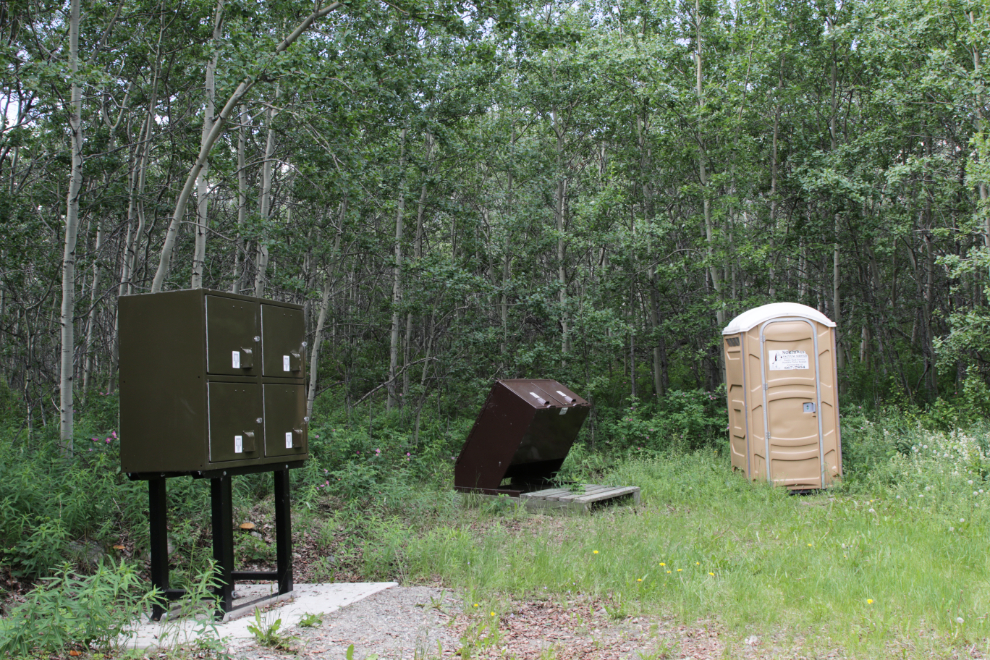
(523, 433)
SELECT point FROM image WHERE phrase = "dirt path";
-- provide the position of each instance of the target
(423, 623)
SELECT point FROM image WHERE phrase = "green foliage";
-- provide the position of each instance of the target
(310, 620)
(681, 421)
(67, 609)
(267, 632)
(198, 604)
(48, 499)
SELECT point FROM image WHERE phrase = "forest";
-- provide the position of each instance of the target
(462, 192)
(458, 191)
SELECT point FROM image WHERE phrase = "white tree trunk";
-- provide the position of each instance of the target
(204, 152)
(241, 199)
(703, 172)
(266, 206)
(393, 354)
(202, 184)
(314, 354)
(91, 317)
(71, 229)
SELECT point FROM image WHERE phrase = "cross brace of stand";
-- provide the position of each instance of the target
(223, 542)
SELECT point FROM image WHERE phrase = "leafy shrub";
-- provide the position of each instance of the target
(683, 420)
(66, 609)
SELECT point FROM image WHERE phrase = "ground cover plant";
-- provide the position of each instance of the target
(893, 559)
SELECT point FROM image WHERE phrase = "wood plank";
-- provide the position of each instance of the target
(607, 494)
(569, 497)
(543, 494)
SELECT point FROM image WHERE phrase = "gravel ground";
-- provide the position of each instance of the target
(401, 622)
(424, 623)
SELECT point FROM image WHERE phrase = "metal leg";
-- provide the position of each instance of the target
(223, 542)
(283, 532)
(158, 516)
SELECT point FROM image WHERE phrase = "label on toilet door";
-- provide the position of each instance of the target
(787, 360)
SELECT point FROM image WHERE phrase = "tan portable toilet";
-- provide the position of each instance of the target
(781, 377)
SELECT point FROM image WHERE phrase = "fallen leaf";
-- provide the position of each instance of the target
(247, 525)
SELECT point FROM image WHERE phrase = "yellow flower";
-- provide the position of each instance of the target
(712, 574)
(662, 564)
(475, 604)
(697, 563)
(679, 570)
(639, 579)
(595, 552)
(869, 601)
(493, 614)
(809, 545)
(668, 572)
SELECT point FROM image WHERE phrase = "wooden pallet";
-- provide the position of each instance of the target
(582, 499)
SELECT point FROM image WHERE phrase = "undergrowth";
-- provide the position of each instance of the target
(894, 552)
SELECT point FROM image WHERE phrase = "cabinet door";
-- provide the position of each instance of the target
(232, 336)
(791, 399)
(286, 432)
(283, 335)
(236, 424)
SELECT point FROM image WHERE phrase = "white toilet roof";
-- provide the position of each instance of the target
(749, 319)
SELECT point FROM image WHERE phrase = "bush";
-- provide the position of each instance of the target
(93, 611)
(683, 420)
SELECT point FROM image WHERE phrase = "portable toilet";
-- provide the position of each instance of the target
(781, 379)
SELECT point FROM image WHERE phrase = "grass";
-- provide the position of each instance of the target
(863, 568)
(892, 562)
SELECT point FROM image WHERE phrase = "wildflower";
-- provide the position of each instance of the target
(697, 563)
(712, 574)
(475, 604)
(108, 441)
(595, 552)
(871, 510)
(668, 572)
(959, 619)
(970, 482)
(662, 564)
(952, 529)
(113, 433)
(679, 570)
(869, 601)
(962, 520)
(639, 579)
(493, 614)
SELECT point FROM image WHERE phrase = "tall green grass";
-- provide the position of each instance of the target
(896, 556)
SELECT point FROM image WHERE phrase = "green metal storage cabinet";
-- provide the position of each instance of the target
(210, 381)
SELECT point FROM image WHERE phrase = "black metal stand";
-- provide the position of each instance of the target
(159, 543)
(221, 500)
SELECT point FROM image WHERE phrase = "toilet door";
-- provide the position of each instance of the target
(792, 402)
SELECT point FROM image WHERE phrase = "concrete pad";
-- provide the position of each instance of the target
(290, 608)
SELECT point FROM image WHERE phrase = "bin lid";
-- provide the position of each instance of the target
(754, 317)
